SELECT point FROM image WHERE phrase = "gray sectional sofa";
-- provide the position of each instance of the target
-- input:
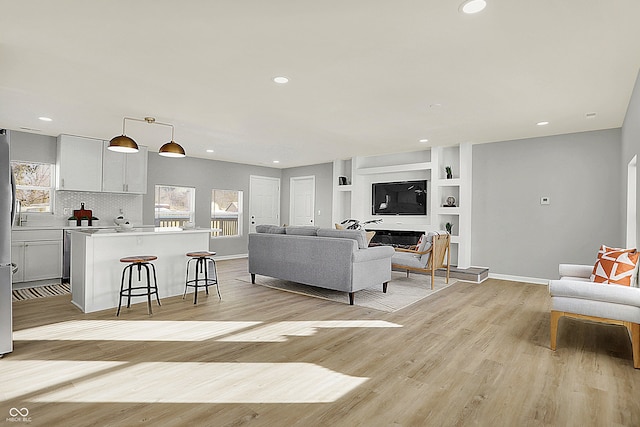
(333, 259)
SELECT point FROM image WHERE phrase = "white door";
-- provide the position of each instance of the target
(264, 201)
(302, 200)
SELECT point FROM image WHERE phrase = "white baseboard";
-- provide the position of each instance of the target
(534, 280)
(226, 257)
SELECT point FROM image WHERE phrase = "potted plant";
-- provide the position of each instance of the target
(94, 221)
(449, 173)
(72, 221)
(448, 226)
(84, 221)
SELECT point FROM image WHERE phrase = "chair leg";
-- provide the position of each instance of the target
(215, 272)
(555, 317)
(146, 267)
(635, 344)
(121, 290)
(433, 276)
(351, 296)
(384, 287)
(155, 283)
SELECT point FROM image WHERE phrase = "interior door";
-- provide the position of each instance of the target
(264, 201)
(302, 200)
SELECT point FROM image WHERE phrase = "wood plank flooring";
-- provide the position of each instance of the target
(470, 355)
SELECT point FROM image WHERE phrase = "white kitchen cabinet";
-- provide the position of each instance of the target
(79, 163)
(124, 172)
(37, 253)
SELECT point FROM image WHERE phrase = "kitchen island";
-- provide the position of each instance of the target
(96, 269)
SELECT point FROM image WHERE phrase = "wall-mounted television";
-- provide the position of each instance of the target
(399, 198)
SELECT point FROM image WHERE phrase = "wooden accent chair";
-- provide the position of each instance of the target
(427, 257)
(575, 296)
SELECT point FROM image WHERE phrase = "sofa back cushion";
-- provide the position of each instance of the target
(301, 230)
(269, 229)
(359, 236)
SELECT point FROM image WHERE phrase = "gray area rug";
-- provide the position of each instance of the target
(40, 291)
(401, 292)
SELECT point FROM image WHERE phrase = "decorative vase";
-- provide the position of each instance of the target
(449, 175)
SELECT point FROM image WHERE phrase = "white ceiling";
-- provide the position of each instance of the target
(366, 76)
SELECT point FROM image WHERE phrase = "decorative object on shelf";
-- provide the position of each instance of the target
(125, 144)
(449, 173)
(94, 221)
(451, 202)
(72, 221)
(448, 226)
(342, 180)
(84, 221)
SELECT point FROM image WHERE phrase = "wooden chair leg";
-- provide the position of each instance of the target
(635, 344)
(433, 275)
(555, 317)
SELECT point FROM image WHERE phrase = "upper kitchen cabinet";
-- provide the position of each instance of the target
(124, 172)
(79, 163)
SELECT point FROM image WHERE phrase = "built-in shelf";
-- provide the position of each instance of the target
(448, 211)
(453, 182)
(395, 168)
(344, 187)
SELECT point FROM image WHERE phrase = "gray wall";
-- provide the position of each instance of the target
(513, 234)
(631, 145)
(324, 190)
(204, 175)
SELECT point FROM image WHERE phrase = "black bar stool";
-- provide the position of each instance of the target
(202, 259)
(138, 262)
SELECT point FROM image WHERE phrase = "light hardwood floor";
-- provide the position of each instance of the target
(472, 354)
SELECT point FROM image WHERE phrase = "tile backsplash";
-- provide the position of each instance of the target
(105, 206)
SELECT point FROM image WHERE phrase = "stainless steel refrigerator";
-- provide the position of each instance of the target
(7, 211)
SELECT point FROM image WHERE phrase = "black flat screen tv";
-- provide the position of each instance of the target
(399, 198)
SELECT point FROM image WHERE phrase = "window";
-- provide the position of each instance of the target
(174, 205)
(226, 213)
(34, 185)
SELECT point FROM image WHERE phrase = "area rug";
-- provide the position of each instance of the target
(40, 291)
(401, 292)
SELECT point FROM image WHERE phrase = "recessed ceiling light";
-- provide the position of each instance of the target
(472, 6)
(542, 123)
(209, 151)
(423, 140)
(590, 115)
(45, 119)
(436, 105)
(281, 79)
(276, 161)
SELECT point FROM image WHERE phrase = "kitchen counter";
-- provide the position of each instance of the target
(96, 269)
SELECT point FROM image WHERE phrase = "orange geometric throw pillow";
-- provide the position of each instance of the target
(615, 266)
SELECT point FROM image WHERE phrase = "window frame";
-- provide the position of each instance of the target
(239, 219)
(50, 189)
(179, 221)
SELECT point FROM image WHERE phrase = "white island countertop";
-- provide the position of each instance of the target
(136, 231)
(96, 270)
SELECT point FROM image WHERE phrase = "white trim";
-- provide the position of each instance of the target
(533, 280)
(227, 257)
(292, 197)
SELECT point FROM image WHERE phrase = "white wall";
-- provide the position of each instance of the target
(631, 143)
(513, 234)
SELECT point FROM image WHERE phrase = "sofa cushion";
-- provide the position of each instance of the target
(301, 230)
(616, 266)
(269, 229)
(359, 236)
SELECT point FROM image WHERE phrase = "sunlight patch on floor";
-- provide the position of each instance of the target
(278, 332)
(131, 330)
(24, 377)
(187, 382)
(162, 330)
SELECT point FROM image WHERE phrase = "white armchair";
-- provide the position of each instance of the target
(574, 295)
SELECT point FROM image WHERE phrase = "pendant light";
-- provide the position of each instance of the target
(122, 143)
(171, 148)
(125, 144)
